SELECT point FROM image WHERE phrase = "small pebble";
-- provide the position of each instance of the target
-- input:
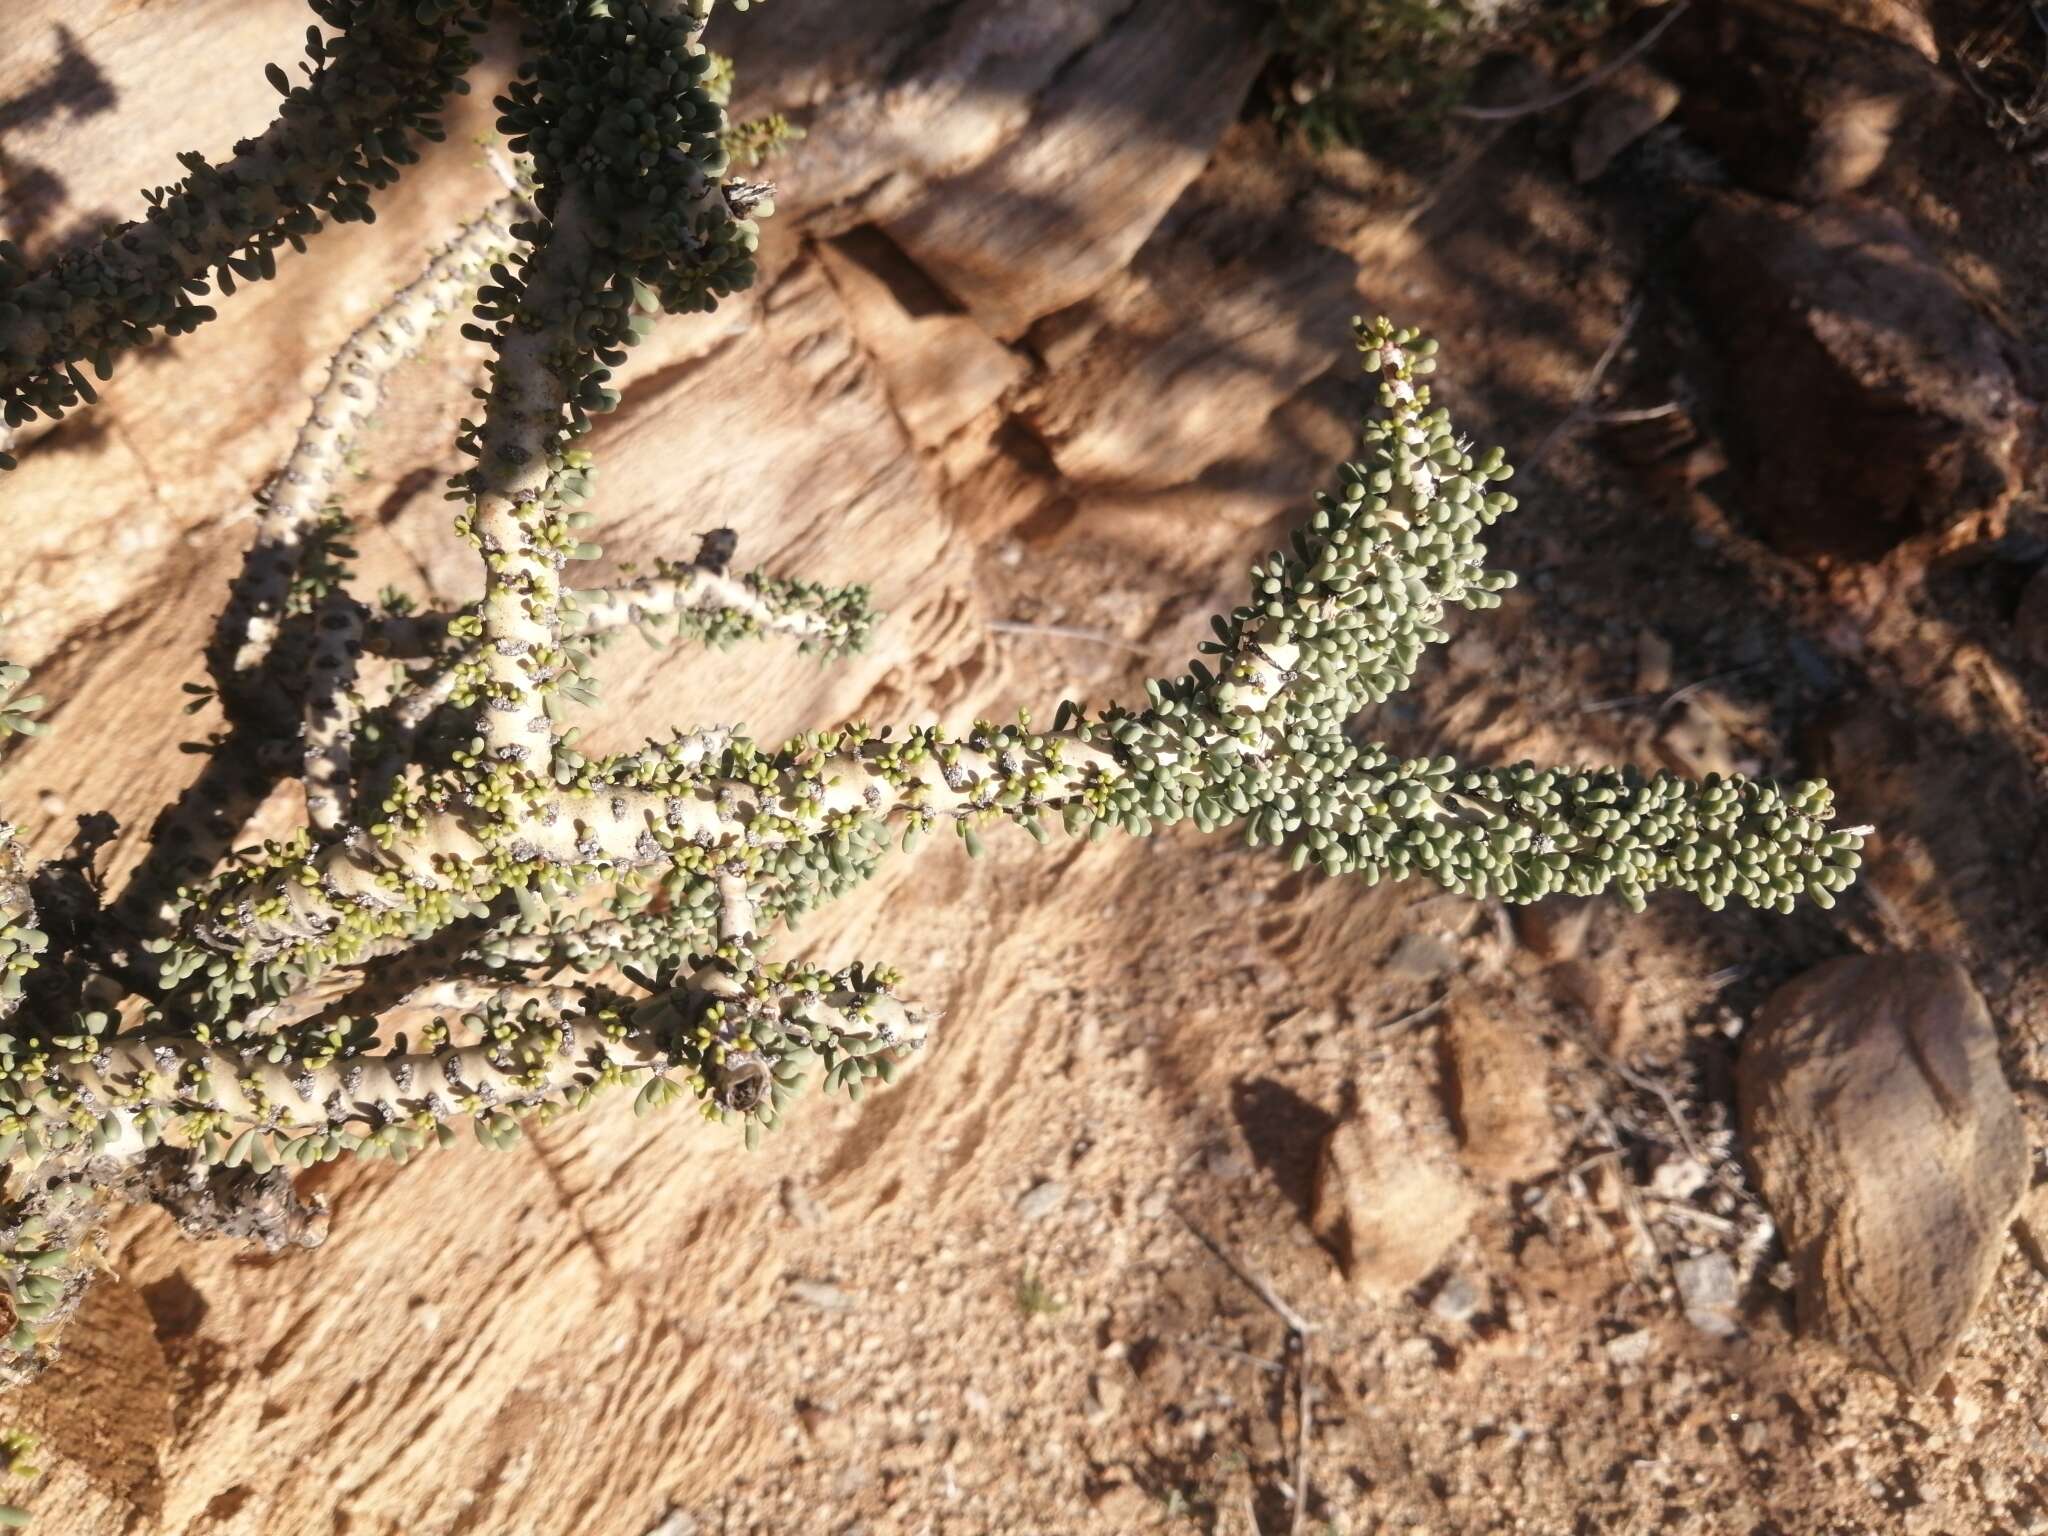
(1225, 1163)
(826, 1298)
(1677, 1177)
(1629, 1348)
(1417, 1351)
(1421, 956)
(1709, 1293)
(1459, 1300)
(1041, 1200)
(1995, 1483)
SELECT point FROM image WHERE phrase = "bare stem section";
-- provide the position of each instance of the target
(295, 500)
(331, 715)
(737, 1036)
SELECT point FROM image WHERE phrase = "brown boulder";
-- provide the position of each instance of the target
(1864, 398)
(1065, 203)
(1625, 108)
(1890, 1151)
(1390, 1198)
(1555, 928)
(1497, 1075)
(1389, 1217)
(1801, 102)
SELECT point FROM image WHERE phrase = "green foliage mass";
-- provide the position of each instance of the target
(1356, 68)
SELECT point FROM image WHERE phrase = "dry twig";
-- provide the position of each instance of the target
(1558, 98)
(1630, 313)
(1300, 1328)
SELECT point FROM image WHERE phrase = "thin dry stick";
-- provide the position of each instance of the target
(1676, 696)
(1301, 1391)
(1572, 417)
(1648, 1085)
(1680, 695)
(1633, 414)
(1558, 98)
(1575, 1186)
(1259, 1288)
(507, 172)
(1412, 1016)
(1679, 1210)
(1301, 1329)
(1631, 1200)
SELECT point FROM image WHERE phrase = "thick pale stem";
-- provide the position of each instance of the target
(735, 909)
(689, 590)
(190, 837)
(140, 1085)
(627, 828)
(294, 501)
(558, 319)
(331, 714)
(21, 941)
(521, 608)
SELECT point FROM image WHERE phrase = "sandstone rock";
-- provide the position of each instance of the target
(1555, 928)
(940, 368)
(1610, 1004)
(1206, 326)
(1388, 1203)
(1865, 398)
(1052, 214)
(2031, 1228)
(1792, 102)
(1625, 108)
(1495, 1076)
(1890, 1151)
(898, 92)
(105, 1412)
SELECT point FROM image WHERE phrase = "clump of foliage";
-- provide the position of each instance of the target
(478, 926)
(749, 141)
(1035, 1298)
(16, 1447)
(1353, 68)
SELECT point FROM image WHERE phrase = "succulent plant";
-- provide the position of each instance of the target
(551, 928)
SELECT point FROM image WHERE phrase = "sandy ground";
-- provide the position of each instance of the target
(1050, 343)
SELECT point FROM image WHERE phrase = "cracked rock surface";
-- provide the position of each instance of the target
(1890, 1149)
